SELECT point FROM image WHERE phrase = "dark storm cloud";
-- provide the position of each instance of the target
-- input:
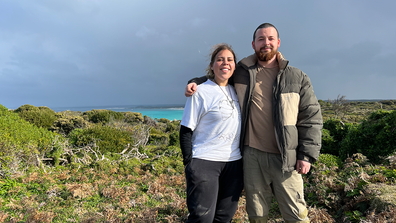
(76, 53)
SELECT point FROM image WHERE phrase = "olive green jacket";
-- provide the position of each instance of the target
(295, 108)
(296, 111)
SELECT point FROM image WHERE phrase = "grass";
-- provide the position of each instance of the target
(92, 195)
(133, 193)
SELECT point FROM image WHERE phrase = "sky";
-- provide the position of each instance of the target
(70, 53)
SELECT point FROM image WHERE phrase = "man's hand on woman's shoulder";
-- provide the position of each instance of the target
(190, 89)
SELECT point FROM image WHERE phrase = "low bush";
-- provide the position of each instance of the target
(21, 141)
(330, 160)
(374, 137)
(157, 136)
(149, 121)
(334, 131)
(107, 138)
(158, 139)
(163, 120)
(39, 116)
(67, 123)
(174, 139)
(173, 126)
(132, 117)
(328, 144)
(102, 116)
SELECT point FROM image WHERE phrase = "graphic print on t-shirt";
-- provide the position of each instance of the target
(226, 109)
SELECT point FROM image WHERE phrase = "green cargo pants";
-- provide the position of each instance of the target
(264, 179)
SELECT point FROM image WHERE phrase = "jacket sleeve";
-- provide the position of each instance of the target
(309, 124)
(185, 137)
(198, 80)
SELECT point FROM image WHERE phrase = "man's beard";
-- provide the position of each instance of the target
(265, 56)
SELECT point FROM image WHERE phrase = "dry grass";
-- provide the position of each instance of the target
(80, 190)
(91, 194)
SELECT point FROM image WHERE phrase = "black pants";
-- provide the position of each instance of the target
(213, 190)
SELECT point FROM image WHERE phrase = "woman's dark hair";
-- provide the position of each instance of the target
(215, 50)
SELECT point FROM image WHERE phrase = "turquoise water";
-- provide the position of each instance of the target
(170, 112)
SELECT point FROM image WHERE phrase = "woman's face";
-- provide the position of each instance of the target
(223, 66)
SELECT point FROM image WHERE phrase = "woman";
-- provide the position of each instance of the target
(209, 140)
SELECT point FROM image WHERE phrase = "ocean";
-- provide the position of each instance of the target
(171, 112)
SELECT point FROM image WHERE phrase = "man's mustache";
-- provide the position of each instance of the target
(265, 47)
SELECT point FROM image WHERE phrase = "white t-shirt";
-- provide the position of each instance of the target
(215, 122)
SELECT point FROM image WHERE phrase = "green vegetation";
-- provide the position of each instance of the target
(108, 139)
(21, 143)
(67, 121)
(375, 137)
(106, 166)
(102, 116)
(38, 116)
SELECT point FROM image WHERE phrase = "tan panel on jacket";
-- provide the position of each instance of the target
(290, 102)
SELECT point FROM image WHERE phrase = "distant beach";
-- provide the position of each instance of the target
(171, 112)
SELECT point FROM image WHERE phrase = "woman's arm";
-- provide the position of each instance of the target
(186, 143)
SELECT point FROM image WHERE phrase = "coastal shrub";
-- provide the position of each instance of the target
(107, 138)
(132, 117)
(174, 139)
(329, 160)
(160, 127)
(102, 116)
(168, 165)
(172, 126)
(39, 116)
(67, 123)
(322, 103)
(163, 120)
(328, 144)
(149, 121)
(22, 141)
(164, 132)
(163, 159)
(334, 132)
(139, 133)
(158, 136)
(158, 139)
(68, 113)
(388, 102)
(375, 137)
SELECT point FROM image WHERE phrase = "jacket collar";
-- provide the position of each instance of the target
(250, 61)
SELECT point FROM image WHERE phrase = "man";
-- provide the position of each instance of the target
(281, 128)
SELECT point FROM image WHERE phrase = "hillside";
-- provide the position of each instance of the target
(105, 166)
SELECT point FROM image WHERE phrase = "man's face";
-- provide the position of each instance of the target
(266, 43)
